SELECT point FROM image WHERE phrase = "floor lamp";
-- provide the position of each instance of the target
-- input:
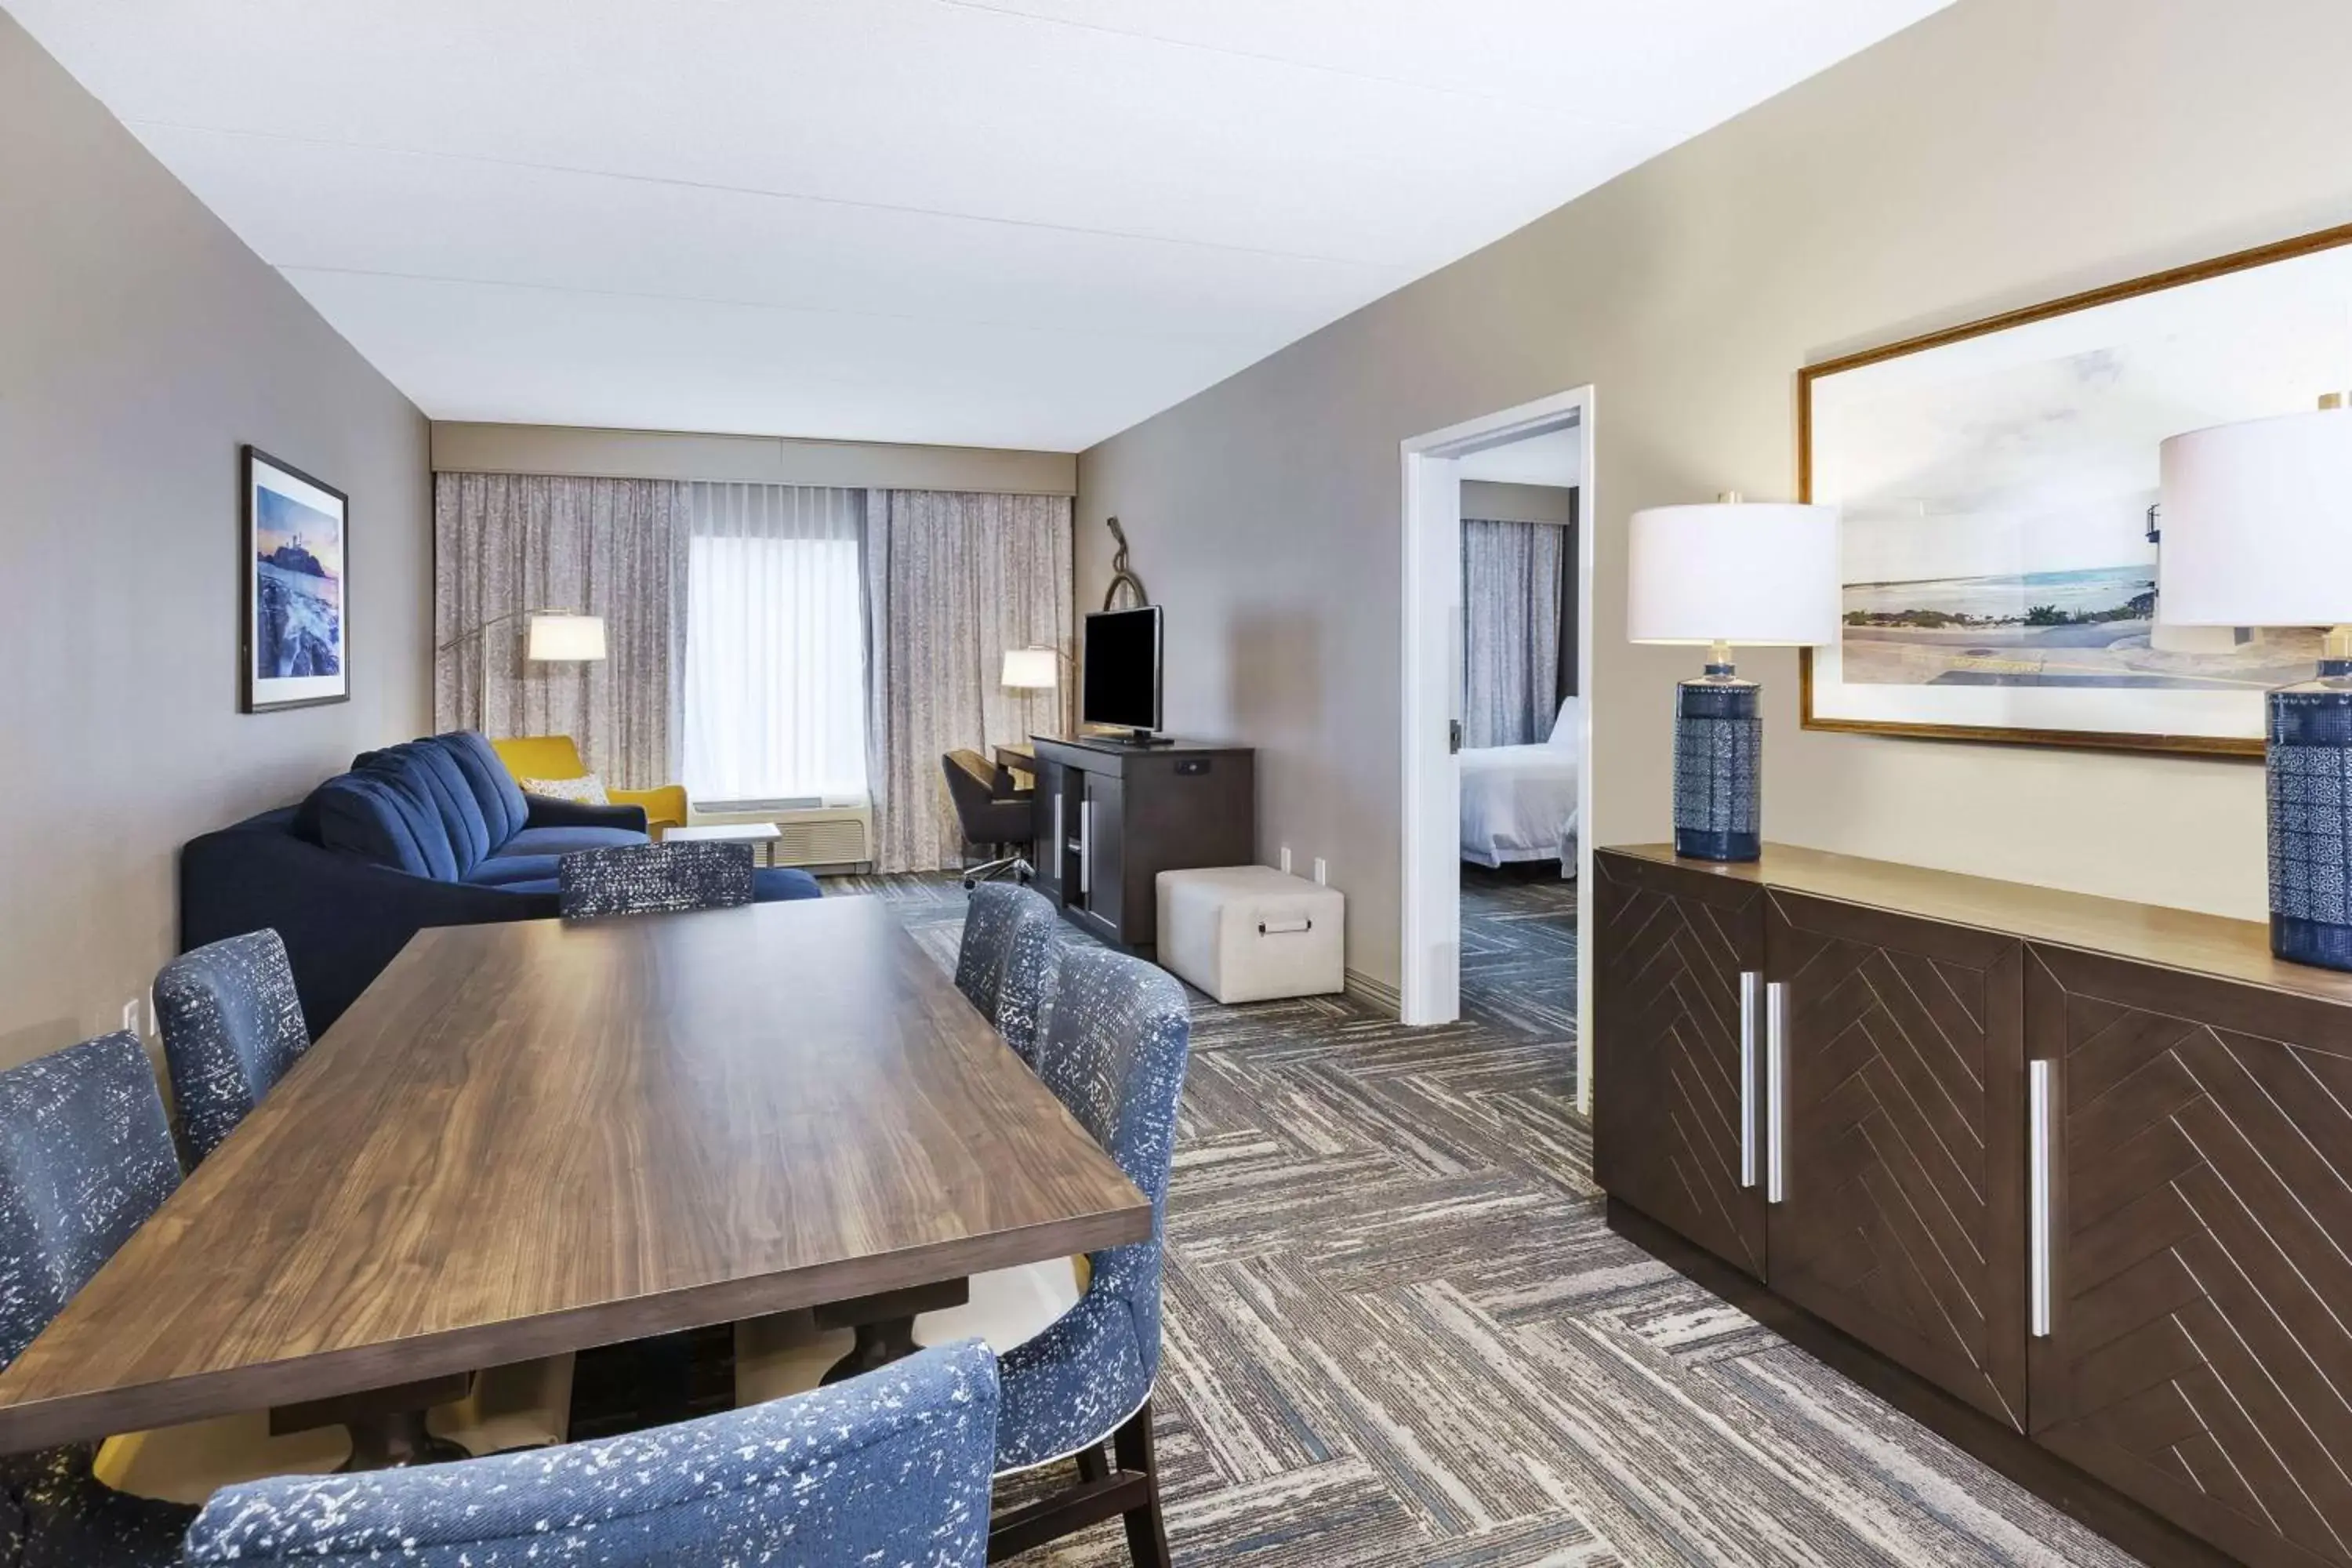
(552, 637)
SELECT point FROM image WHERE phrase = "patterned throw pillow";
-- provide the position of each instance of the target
(587, 789)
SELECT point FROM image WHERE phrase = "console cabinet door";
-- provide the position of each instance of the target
(1671, 1104)
(2198, 1355)
(1900, 1211)
(1049, 813)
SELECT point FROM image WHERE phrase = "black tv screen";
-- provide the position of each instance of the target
(1121, 684)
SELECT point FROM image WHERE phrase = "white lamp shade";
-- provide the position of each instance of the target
(1031, 668)
(565, 637)
(1759, 573)
(2257, 524)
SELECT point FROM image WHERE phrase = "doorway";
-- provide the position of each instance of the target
(1540, 446)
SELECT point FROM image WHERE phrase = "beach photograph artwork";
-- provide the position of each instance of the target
(294, 610)
(2002, 521)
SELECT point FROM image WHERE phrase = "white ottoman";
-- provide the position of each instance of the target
(1244, 933)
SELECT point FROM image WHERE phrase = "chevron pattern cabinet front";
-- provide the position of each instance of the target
(1672, 945)
(1902, 1211)
(2200, 1352)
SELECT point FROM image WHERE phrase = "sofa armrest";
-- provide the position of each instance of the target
(665, 804)
(546, 811)
(342, 918)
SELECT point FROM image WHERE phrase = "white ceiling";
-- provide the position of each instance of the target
(1024, 223)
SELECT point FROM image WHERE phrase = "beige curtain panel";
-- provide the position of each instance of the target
(505, 544)
(954, 581)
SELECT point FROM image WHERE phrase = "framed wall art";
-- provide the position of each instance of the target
(1998, 483)
(295, 578)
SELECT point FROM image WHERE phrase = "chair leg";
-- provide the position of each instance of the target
(1146, 1532)
(1092, 1465)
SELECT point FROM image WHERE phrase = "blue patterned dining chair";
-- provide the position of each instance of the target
(85, 1157)
(1114, 1050)
(1012, 945)
(890, 1469)
(232, 1025)
(650, 879)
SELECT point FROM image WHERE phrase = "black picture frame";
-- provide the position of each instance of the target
(285, 568)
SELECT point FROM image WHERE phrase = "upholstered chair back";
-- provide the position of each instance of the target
(232, 1025)
(890, 1468)
(1012, 947)
(1114, 1050)
(648, 879)
(85, 1157)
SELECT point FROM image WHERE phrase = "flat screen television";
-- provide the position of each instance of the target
(1119, 670)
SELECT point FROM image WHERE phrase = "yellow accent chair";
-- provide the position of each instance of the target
(556, 757)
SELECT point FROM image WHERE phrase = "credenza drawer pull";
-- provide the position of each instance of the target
(1085, 848)
(1751, 981)
(1776, 1092)
(2039, 1079)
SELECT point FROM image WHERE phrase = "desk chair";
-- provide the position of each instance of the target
(991, 813)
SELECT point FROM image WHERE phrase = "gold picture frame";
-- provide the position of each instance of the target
(1810, 385)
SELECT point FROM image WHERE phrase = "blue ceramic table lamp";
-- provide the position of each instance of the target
(1765, 575)
(2258, 532)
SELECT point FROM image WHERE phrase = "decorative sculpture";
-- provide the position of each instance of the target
(1121, 577)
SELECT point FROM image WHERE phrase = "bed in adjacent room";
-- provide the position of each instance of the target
(1518, 803)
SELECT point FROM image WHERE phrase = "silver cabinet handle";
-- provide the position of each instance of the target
(1086, 846)
(1751, 981)
(2038, 1080)
(1060, 844)
(1776, 1092)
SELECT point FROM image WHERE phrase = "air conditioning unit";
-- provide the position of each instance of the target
(815, 838)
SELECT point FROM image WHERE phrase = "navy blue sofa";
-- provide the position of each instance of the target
(430, 833)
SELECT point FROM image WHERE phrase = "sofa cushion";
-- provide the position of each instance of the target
(504, 810)
(502, 871)
(411, 790)
(431, 773)
(780, 884)
(564, 840)
(363, 814)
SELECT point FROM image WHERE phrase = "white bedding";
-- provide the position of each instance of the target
(1518, 803)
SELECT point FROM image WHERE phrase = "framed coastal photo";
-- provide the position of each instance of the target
(2003, 520)
(296, 635)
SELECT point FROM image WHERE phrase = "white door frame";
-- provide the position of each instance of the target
(1432, 977)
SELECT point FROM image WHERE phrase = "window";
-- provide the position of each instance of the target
(775, 645)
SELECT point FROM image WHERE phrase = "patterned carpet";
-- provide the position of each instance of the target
(1399, 1333)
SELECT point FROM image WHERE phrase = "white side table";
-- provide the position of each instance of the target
(761, 836)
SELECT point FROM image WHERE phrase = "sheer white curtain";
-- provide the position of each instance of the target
(775, 645)
(1511, 597)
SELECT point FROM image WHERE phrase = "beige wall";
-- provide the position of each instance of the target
(2001, 152)
(140, 345)
(462, 447)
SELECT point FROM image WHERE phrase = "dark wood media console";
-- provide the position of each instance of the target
(1111, 815)
(2069, 1179)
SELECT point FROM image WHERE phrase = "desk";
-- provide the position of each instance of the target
(537, 1137)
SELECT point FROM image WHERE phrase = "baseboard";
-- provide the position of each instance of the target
(1374, 994)
(2154, 1540)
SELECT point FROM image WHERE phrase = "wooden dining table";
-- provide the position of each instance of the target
(539, 1137)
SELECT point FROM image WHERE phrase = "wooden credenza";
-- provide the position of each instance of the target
(1110, 816)
(2075, 1174)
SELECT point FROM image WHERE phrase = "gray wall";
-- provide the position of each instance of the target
(140, 345)
(2000, 153)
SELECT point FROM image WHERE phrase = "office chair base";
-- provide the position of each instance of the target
(1018, 864)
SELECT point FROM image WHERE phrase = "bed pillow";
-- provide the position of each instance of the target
(587, 789)
(1572, 718)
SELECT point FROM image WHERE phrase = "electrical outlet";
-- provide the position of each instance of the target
(1286, 860)
(1322, 872)
(130, 1011)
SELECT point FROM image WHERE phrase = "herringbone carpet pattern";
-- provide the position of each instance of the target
(1399, 1333)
